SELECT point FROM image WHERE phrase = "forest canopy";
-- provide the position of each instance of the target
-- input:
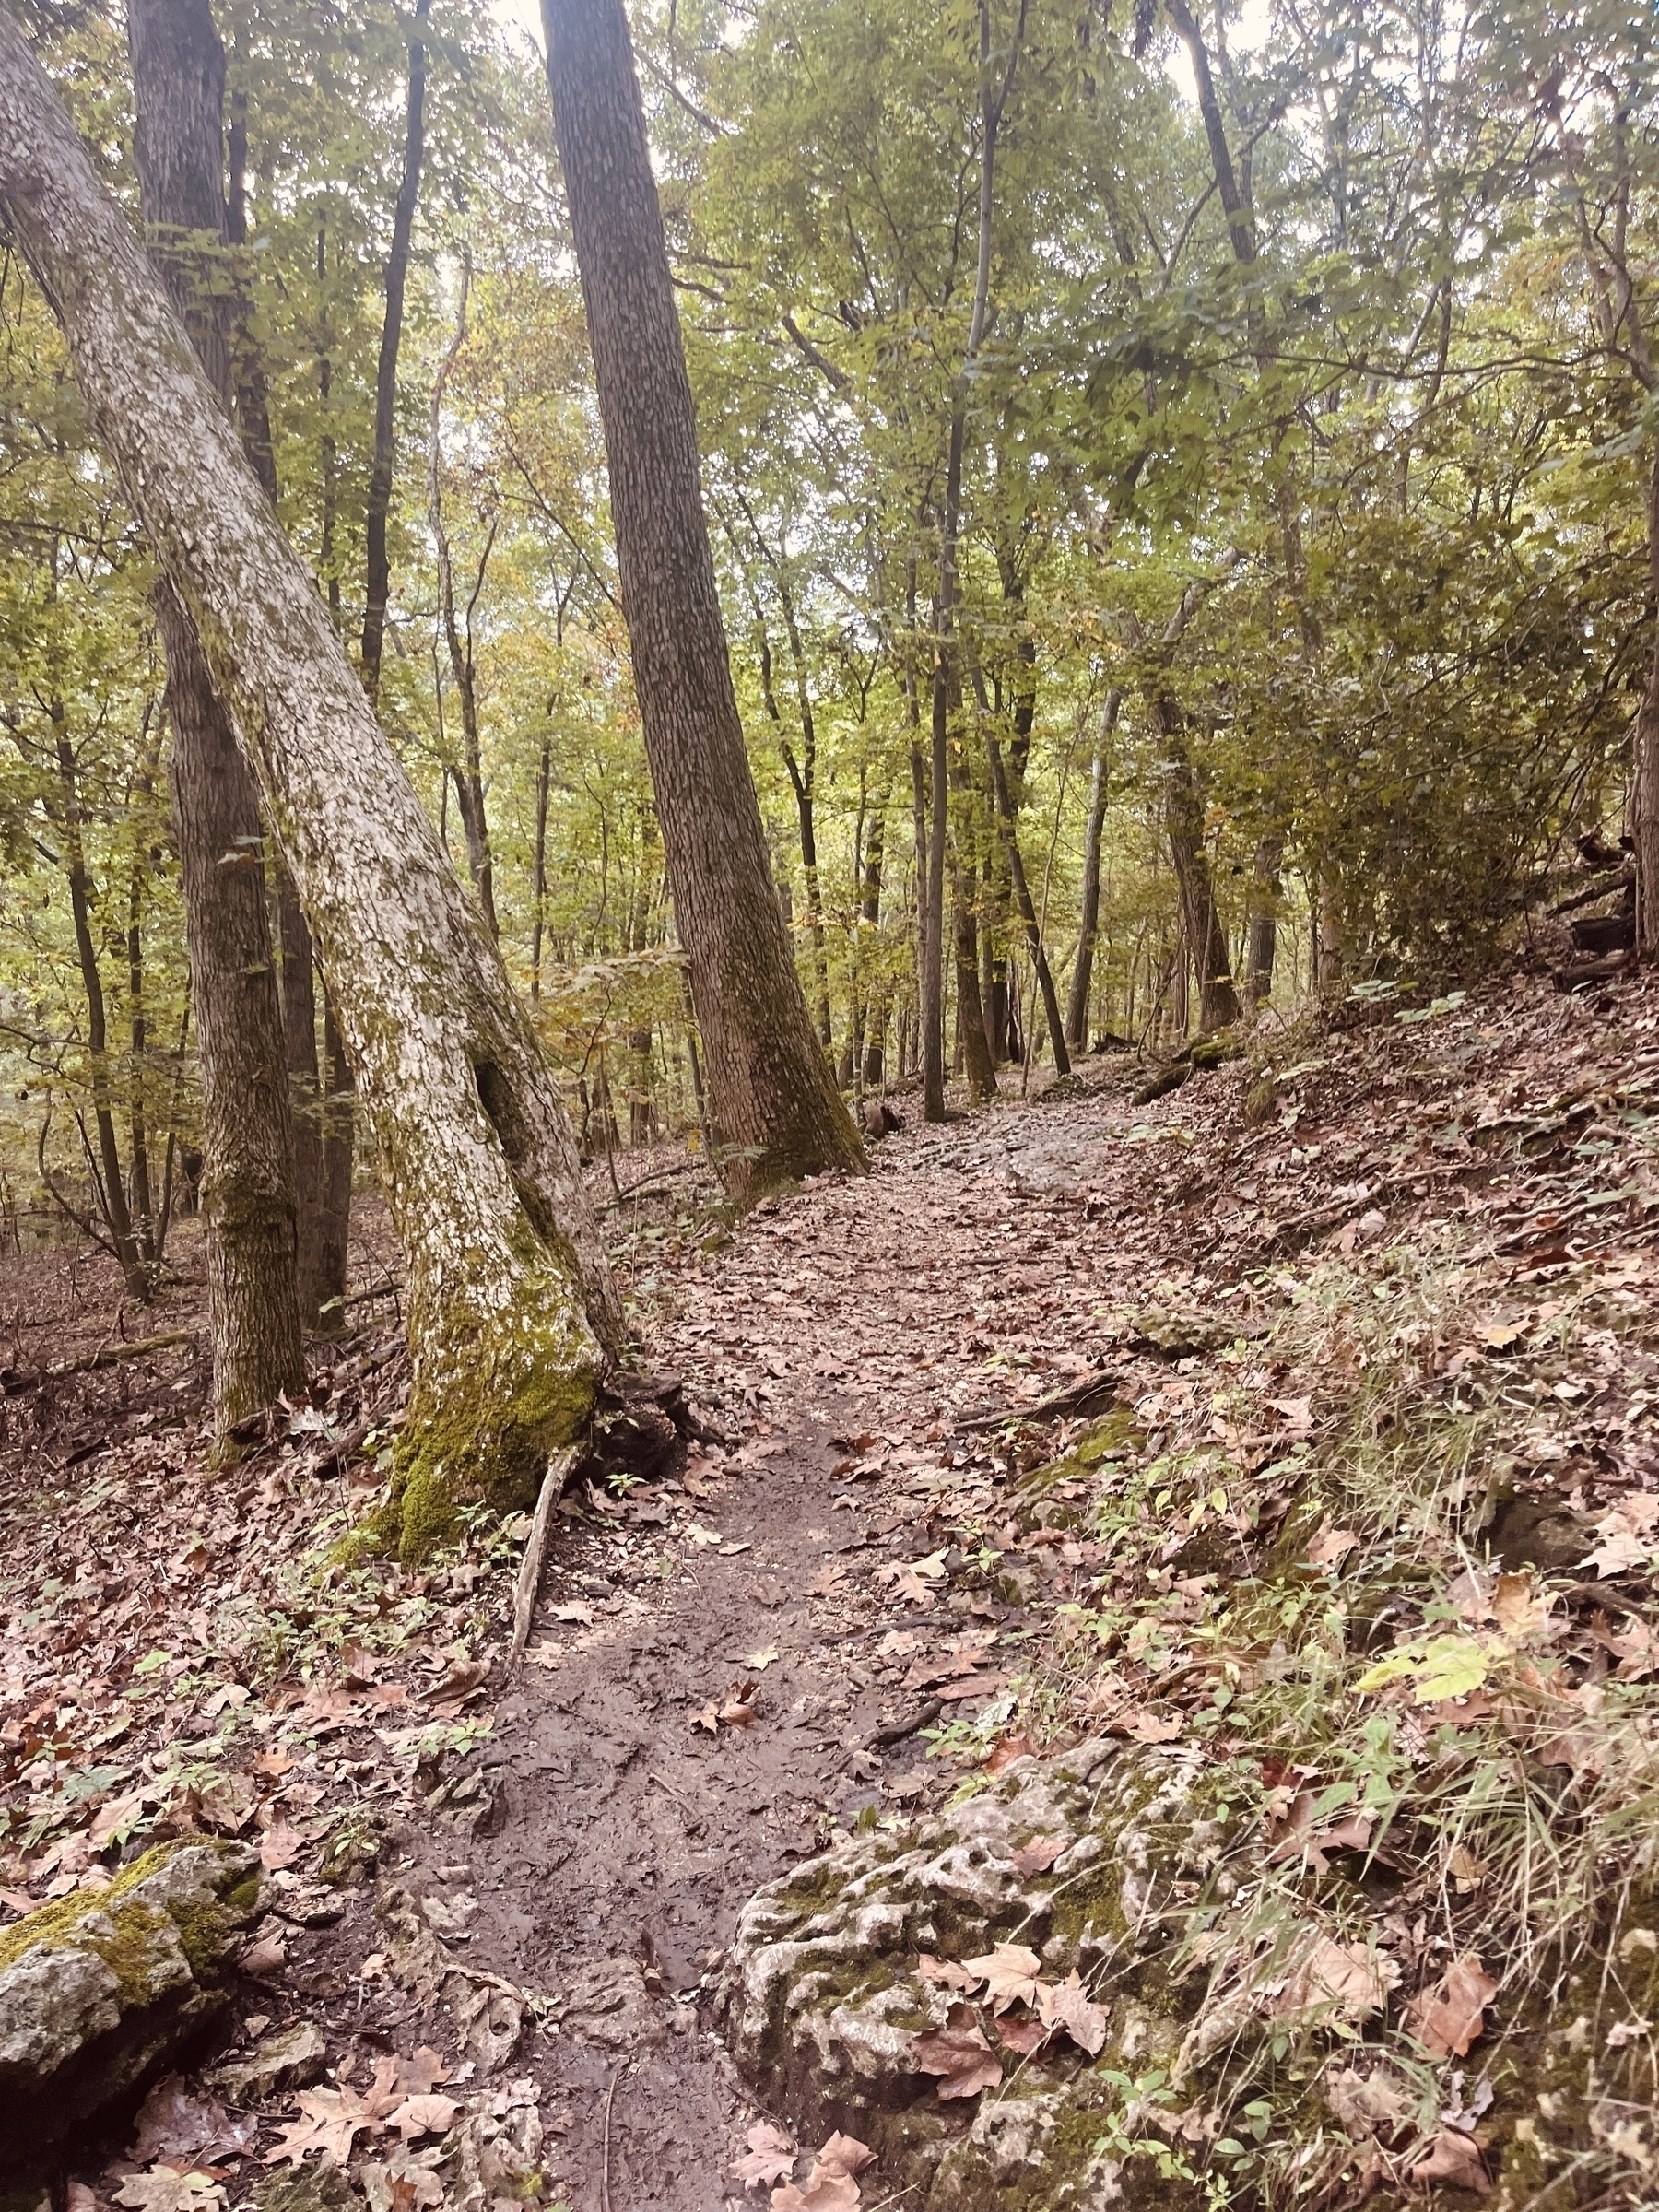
(1184, 479)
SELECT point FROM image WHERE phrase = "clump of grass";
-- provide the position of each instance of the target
(1409, 1758)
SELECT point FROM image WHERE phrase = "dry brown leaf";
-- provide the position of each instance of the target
(1009, 1972)
(831, 2187)
(1006, 1750)
(169, 2189)
(959, 2054)
(1345, 1979)
(944, 1974)
(769, 2158)
(1455, 2158)
(1451, 2017)
(280, 1846)
(1331, 1546)
(182, 2128)
(1069, 2006)
(267, 1956)
(1022, 2036)
(1039, 1854)
(1152, 1727)
(423, 2116)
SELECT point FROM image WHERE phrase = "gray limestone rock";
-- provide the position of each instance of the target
(98, 1988)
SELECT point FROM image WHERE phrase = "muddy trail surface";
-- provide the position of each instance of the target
(800, 1587)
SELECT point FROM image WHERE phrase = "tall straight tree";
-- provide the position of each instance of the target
(385, 378)
(776, 1111)
(247, 1129)
(512, 1309)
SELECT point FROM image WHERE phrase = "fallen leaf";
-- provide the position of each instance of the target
(1022, 2036)
(1331, 1546)
(184, 2129)
(582, 1616)
(770, 2157)
(1519, 1608)
(830, 2186)
(959, 2054)
(1150, 1728)
(758, 1662)
(169, 2189)
(423, 2116)
(463, 1680)
(1343, 1979)
(944, 1974)
(1039, 1854)
(1449, 2019)
(266, 1956)
(1006, 1750)
(280, 1846)
(1009, 1972)
(972, 1686)
(1069, 2006)
(1466, 1869)
(1298, 1413)
(1454, 2157)
(700, 1536)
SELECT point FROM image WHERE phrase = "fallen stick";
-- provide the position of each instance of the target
(1093, 1394)
(13, 1383)
(536, 1551)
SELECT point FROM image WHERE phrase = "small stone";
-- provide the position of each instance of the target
(289, 2061)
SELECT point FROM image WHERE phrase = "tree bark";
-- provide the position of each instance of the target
(511, 1304)
(378, 561)
(1022, 898)
(1077, 1009)
(321, 1299)
(776, 1111)
(247, 1127)
(1260, 947)
(469, 777)
(108, 1175)
(1644, 781)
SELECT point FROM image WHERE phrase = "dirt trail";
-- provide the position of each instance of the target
(627, 1837)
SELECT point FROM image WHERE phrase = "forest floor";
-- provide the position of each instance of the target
(833, 1621)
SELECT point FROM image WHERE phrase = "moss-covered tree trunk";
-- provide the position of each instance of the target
(776, 1111)
(512, 1305)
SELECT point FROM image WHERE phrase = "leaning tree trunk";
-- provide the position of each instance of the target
(1644, 781)
(247, 1126)
(776, 1111)
(512, 1305)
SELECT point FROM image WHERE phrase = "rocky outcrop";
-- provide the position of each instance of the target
(96, 1989)
(839, 1974)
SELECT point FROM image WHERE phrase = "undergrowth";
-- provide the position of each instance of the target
(1432, 1762)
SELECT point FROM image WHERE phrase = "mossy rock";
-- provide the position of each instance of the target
(97, 1991)
(821, 1995)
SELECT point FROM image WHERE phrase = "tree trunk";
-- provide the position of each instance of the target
(305, 1091)
(1262, 943)
(378, 562)
(511, 1304)
(108, 1177)
(1644, 791)
(469, 777)
(247, 1127)
(977, 1064)
(1184, 821)
(1076, 1007)
(321, 1301)
(1022, 898)
(776, 1111)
